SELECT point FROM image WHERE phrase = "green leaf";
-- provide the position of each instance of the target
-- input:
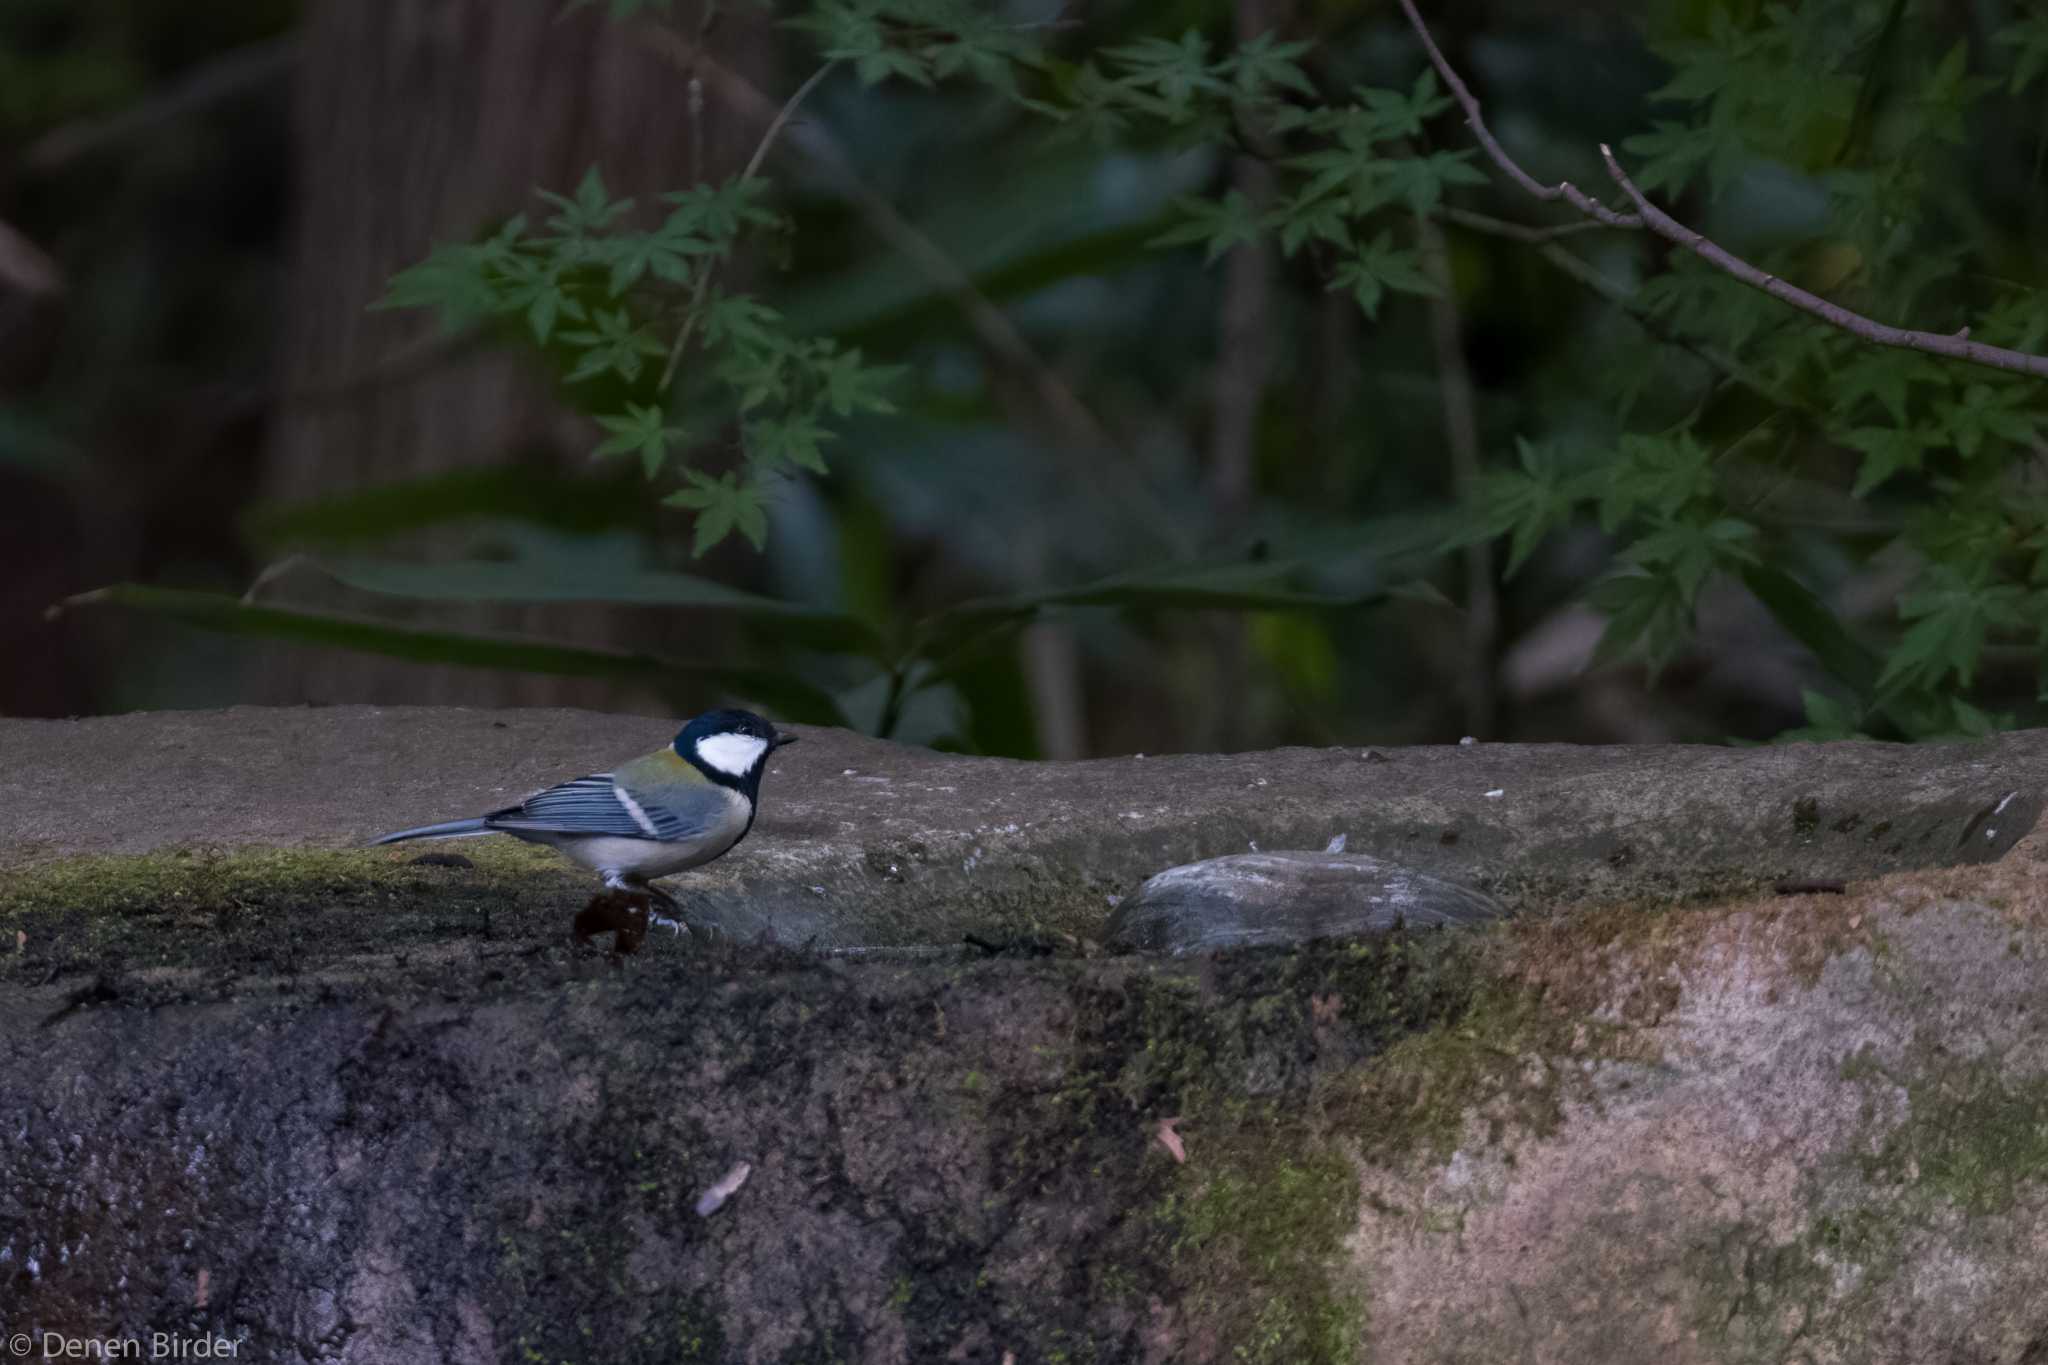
(2030, 36)
(1885, 374)
(1647, 616)
(1987, 410)
(1806, 619)
(783, 692)
(1887, 451)
(1218, 224)
(614, 344)
(1378, 266)
(1676, 153)
(558, 579)
(719, 213)
(1174, 71)
(510, 492)
(850, 386)
(1232, 586)
(723, 505)
(1264, 65)
(1952, 618)
(1526, 504)
(451, 281)
(1660, 474)
(589, 212)
(1690, 550)
(1827, 720)
(641, 431)
(792, 439)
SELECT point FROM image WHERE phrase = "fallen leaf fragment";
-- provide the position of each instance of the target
(1170, 1140)
(714, 1198)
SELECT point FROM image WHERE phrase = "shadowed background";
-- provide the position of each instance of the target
(198, 209)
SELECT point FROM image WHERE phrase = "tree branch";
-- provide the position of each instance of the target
(1955, 346)
(775, 127)
(1563, 189)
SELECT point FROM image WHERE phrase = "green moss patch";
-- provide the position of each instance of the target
(275, 910)
(1970, 1137)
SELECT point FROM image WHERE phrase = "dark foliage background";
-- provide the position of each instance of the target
(1146, 463)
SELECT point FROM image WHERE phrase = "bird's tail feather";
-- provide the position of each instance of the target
(448, 829)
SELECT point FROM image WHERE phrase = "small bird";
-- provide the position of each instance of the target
(679, 807)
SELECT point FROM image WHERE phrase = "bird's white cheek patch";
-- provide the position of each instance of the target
(734, 755)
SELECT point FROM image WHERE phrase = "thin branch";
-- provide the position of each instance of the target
(1617, 294)
(1955, 345)
(989, 322)
(1520, 232)
(1563, 189)
(782, 117)
(775, 127)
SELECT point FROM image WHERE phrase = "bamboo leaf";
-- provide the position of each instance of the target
(787, 695)
(525, 581)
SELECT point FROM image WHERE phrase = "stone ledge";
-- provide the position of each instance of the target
(864, 844)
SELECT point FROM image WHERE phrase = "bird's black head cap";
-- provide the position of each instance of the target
(730, 746)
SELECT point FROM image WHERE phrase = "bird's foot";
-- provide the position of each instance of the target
(670, 914)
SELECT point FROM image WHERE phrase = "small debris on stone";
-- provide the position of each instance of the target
(714, 1198)
(1336, 844)
(1497, 793)
(1171, 1141)
(1468, 739)
(621, 914)
(1374, 756)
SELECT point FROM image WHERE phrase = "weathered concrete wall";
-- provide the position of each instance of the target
(339, 1106)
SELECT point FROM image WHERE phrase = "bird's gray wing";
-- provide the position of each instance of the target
(594, 805)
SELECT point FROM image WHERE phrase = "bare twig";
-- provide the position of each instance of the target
(775, 127)
(782, 117)
(1082, 431)
(1563, 189)
(1954, 345)
(1520, 232)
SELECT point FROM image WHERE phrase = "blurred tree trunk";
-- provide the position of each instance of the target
(423, 121)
